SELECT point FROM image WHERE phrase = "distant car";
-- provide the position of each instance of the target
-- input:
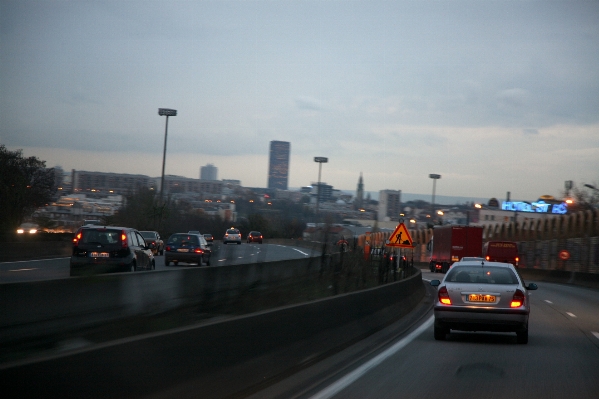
(154, 241)
(232, 235)
(187, 248)
(482, 297)
(209, 238)
(108, 249)
(254, 236)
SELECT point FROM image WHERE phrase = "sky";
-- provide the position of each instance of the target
(494, 96)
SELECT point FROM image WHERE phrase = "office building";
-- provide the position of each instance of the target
(278, 167)
(389, 205)
(208, 172)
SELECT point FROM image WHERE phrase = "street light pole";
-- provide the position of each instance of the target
(165, 112)
(320, 161)
(435, 177)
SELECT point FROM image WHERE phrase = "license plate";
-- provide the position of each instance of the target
(99, 254)
(481, 298)
(183, 250)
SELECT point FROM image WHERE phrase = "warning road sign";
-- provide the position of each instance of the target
(400, 238)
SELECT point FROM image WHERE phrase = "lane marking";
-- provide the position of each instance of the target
(596, 334)
(348, 379)
(301, 252)
(33, 260)
(22, 270)
(571, 314)
(548, 301)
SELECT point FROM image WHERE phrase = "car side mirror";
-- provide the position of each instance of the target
(532, 287)
(435, 283)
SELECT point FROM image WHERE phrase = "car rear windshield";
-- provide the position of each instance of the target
(481, 275)
(232, 231)
(100, 236)
(255, 233)
(184, 238)
(148, 234)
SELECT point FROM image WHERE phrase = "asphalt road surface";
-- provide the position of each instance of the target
(223, 255)
(561, 359)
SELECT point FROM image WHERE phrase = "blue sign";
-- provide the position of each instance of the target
(540, 206)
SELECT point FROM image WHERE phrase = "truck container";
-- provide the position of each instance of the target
(451, 243)
(501, 251)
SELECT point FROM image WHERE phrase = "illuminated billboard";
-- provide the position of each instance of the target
(540, 207)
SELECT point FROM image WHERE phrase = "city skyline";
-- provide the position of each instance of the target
(494, 96)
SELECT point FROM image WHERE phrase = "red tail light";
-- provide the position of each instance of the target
(168, 248)
(444, 296)
(124, 239)
(518, 299)
(199, 251)
(76, 239)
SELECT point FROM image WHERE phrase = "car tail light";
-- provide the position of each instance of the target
(444, 296)
(124, 239)
(487, 257)
(199, 251)
(76, 239)
(168, 248)
(518, 299)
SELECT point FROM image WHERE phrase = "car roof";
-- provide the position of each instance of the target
(482, 263)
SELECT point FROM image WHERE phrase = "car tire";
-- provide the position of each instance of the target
(440, 333)
(161, 252)
(239, 243)
(176, 262)
(522, 336)
(153, 264)
(133, 267)
(208, 262)
(167, 262)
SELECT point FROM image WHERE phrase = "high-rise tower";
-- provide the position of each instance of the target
(278, 167)
(360, 193)
(208, 172)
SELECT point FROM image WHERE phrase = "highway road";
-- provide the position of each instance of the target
(561, 359)
(223, 255)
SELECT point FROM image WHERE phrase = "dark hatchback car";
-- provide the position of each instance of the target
(187, 248)
(254, 236)
(209, 238)
(109, 249)
(154, 241)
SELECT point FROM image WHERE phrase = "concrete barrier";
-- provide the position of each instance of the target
(217, 359)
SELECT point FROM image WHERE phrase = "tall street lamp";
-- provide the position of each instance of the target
(320, 161)
(435, 177)
(165, 112)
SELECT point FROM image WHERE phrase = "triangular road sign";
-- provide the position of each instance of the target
(400, 238)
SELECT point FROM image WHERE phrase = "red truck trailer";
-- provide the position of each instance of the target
(451, 243)
(501, 251)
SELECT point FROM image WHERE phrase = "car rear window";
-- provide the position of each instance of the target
(101, 236)
(232, 231)
(481, 275)
(182, 238)
(147, 234)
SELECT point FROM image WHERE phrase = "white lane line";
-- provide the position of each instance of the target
(301, 252)
(571, 314)
(22, 270)
(548, 301)
(596, 334)
(33, 260)
(348, 379)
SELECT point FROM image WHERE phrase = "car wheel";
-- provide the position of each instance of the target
(133, 267)
(208, 262)
(167, 262)
(161, 252)
(153, 264)
(522, 336)
(239, 243)
(440, 333)
(175, 262)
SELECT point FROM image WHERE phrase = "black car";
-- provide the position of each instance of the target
(154, 241)
(209, 238)
(187, 248)
(109, 249)
(254, 236)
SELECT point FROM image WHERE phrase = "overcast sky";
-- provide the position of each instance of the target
(495, 96)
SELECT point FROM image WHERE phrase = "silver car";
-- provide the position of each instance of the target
(482, 296)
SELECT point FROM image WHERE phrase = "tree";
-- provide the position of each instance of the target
(25, 185)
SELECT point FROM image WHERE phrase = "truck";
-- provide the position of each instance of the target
(450, 243)
(501, 251)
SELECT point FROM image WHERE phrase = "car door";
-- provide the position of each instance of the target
(138, 247)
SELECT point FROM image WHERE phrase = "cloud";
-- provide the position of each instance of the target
(530, 131)
(309, 103)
